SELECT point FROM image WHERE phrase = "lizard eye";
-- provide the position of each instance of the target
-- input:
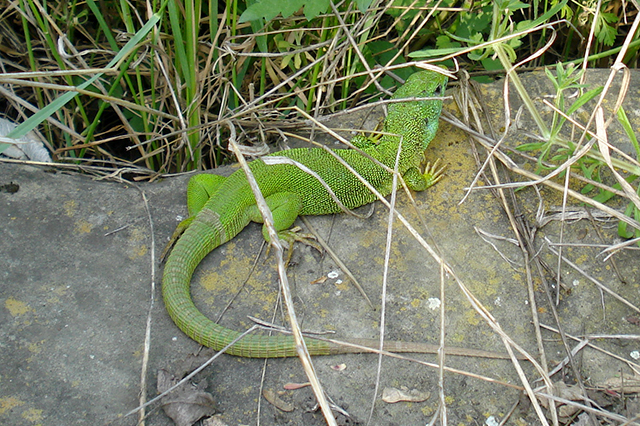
(439, 90)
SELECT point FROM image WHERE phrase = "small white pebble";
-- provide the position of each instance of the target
(433, 303)
(576, 283)
(491, 421)
(338, 282)
(635, 354)
(333, 274)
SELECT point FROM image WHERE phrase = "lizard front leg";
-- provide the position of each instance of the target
(420, 181)
(285, 208)
(199, 189)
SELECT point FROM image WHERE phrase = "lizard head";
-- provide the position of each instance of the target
(417, 121)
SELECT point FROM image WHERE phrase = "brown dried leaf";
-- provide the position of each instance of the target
(276, 401)
(633, 319)
(393, 395)
(214, 421)
(294, 386)
(320, 280)
(186, 404)
(626, 384)
(570, 392)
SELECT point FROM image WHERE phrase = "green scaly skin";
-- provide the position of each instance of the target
(227, 205)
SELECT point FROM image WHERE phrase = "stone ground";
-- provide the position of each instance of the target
(79, 279)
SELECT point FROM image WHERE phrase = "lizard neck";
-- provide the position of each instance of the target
(410, 156)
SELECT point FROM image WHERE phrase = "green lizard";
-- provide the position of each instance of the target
(221, 207)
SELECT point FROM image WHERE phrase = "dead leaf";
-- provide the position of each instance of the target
(627, 384)
(583, 420)
(393, 395)
(214, 421)
(570, 392)
(339, 367)
(633, 320)
(276, 401)
(186, 404)
(320, 280)
(294, 386)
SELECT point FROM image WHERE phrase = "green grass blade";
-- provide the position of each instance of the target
(37, 118)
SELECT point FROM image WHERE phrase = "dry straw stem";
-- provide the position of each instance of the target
(509, 343)
(301, 347)
(534, 179)
(385, 274)
(523, 241)
(494, 151)
(192, 374)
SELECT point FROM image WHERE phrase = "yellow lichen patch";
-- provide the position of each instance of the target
(70, 207)
(137, 235)
(471, 317)
(138, 250)
(369, 238)
(83, 227)
(60, 290)
(213, 281)
(35, 347)
(342, 285)
(416, 303)
(16, 307)
(582, 259)
(427, 410)
(33, 415)
(55, 292)
(9, 403)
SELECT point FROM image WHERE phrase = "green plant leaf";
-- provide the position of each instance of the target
(605, 33)
(363, 5)
(431, 53)
(318, 7)
(628, 129)
(630, 211)
(491, 64)
(586, 97)
(37, 118)
(269, 9)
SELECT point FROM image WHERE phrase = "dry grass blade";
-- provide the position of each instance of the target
(301, 348)
(385, 276)
(467, 101)
(338, 261)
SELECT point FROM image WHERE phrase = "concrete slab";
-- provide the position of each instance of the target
(76, 286)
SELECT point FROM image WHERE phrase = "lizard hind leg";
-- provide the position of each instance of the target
(285, 208)
(199, 189)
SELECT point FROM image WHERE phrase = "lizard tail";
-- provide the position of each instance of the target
(197, 241)
(200, 238)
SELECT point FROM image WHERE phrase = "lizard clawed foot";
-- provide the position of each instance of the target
(289, 236)
(433, 173)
